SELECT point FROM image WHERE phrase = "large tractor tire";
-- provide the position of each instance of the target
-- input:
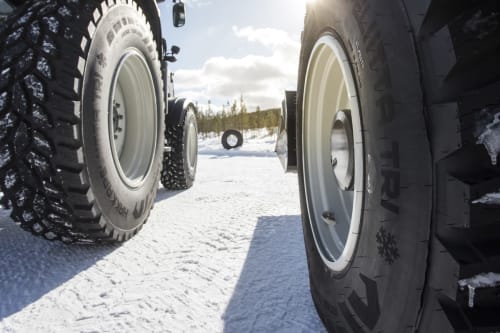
(397, 122)
(179, 164)
(81, 113)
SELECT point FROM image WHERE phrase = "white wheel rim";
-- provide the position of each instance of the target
(232, 140)
(334, 212)
(192, 147)
(133, 123)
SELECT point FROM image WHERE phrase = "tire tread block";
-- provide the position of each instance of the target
(457, 43)
(173, 175)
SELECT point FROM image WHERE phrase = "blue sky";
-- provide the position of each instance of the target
(235, 47)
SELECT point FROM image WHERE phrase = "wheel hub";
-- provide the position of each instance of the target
(117, 120)
(342, 150)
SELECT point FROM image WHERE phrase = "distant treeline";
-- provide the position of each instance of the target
(240, 120)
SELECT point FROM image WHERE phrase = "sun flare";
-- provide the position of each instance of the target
(305, 3)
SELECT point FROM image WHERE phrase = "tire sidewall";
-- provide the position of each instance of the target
(389, 263)
(120, 29)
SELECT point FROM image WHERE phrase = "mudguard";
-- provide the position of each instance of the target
(286, 144)
(176, 112)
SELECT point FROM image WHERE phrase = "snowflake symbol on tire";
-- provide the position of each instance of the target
(387, 246)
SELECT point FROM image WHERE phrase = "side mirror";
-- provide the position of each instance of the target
(170, 57)
(179, 15)
(175, 49)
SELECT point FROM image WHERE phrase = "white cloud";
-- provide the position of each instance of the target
(197, 3)
(261, 79)
(265, 36)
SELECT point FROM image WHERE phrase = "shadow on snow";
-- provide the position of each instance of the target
(272, 293)
(30, 267)
(236, 153)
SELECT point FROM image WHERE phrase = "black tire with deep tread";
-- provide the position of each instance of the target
(176, 173)
(43, 169)
(457, 47)
(227, 134)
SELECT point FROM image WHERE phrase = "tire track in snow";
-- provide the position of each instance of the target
(225, 256)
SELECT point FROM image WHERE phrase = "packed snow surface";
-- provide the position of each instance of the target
(226, 255)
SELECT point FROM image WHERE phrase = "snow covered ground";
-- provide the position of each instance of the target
(224, 256)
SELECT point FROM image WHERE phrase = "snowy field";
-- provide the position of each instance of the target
(224, 256)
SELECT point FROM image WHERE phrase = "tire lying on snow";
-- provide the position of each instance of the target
(377, 261)
(179, 165)
(232, 139)
(83, 114)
